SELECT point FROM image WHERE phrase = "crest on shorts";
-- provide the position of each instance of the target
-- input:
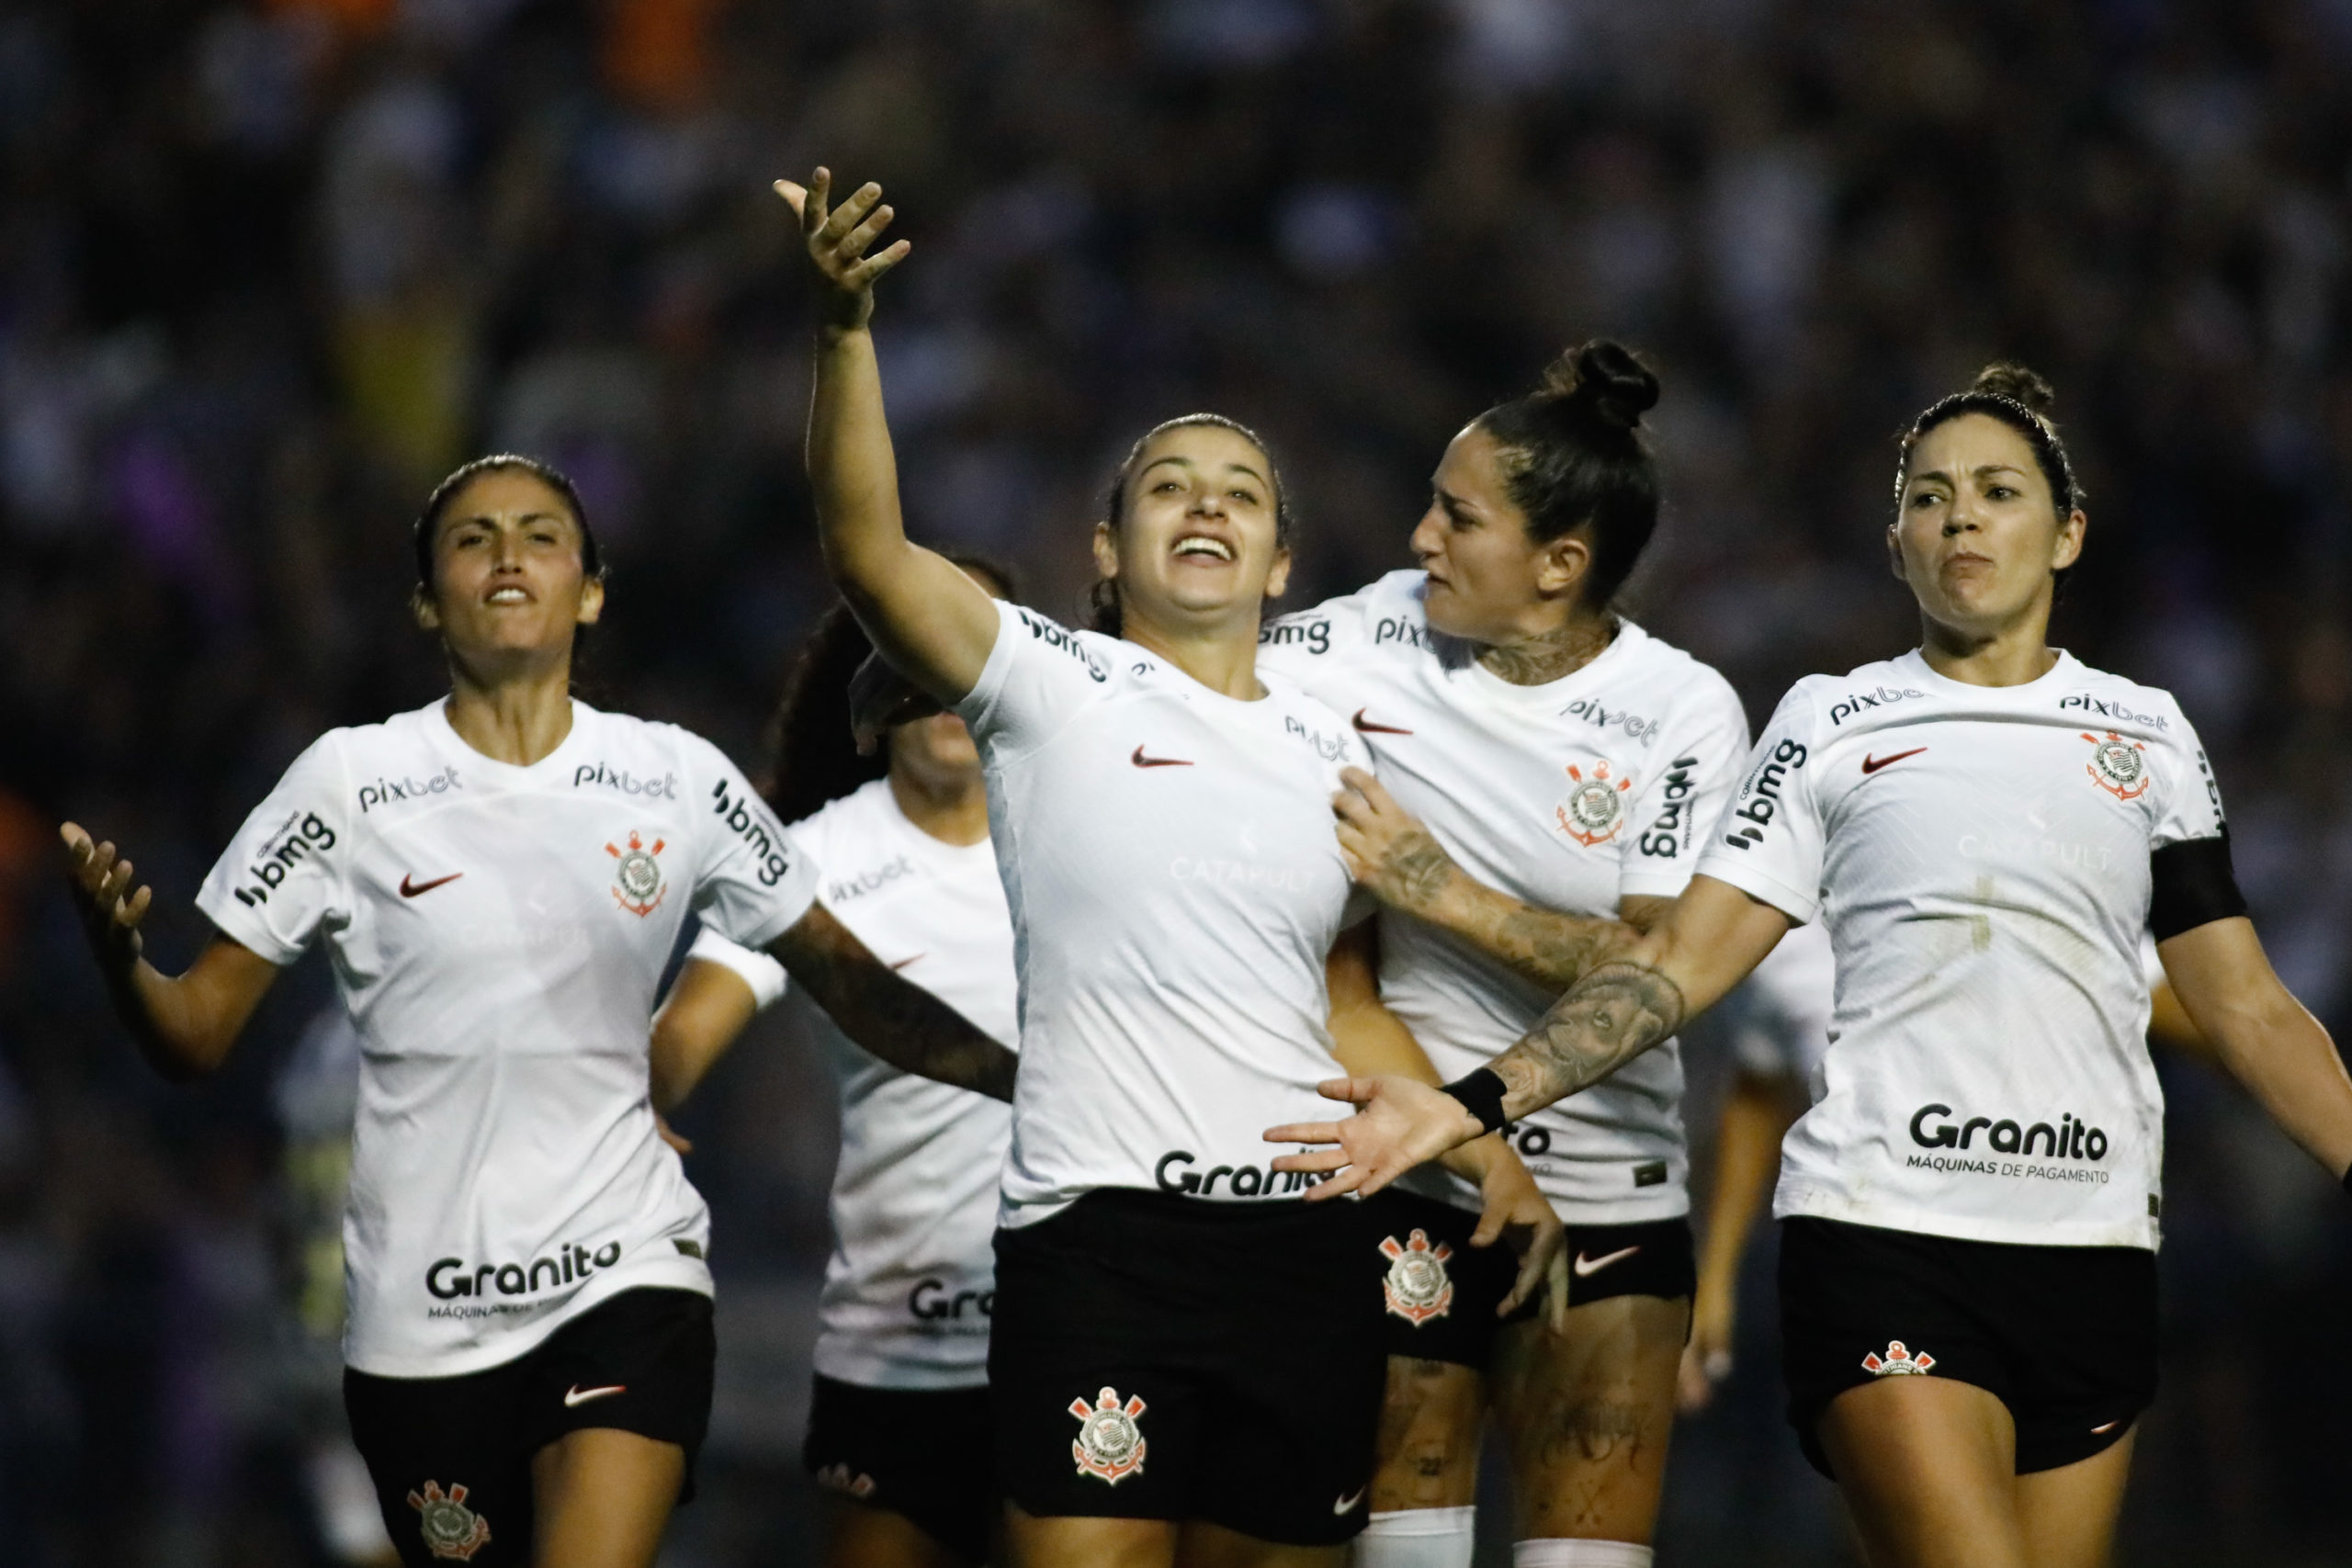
(1595, 806)
(2118, 766)
(451, 1529)
(1110, 1445)
(637, 881)
(1898, 1362)
(1417, 1286)
(837, 1478)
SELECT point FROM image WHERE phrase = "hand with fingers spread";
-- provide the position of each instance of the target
(103, 896)
(1396, 859)
(1401, 1123)
(837, 238)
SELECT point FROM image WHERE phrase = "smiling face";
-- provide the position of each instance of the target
(1196, 543)
(1487, 581)
(508, 582)
(1977, 535)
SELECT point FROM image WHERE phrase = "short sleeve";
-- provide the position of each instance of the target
(1300, 648)
(1684, 795)
(1768, 841)
(2191, 804)
(757, 970)
(751, 882)
(1039, 675)
(282, 879)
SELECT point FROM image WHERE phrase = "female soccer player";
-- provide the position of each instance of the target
(1969, 1209)
(899, 1427)
(1182, 1363)
(500, 878)
(1561, 754)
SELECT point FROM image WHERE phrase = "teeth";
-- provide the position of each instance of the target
(508, 596)
(1196, 545)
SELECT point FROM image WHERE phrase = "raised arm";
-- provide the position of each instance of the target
(2269, 1041)
(893, 1018)
(183, 1024)
(925, 616)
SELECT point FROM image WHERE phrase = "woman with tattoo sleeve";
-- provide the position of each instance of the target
(500, 878)
(1558, 751)
(1969, 1211)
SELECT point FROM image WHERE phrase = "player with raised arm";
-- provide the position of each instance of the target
(500, 878)
(1970, 1207)
(1560, 752)
(1185, 1359)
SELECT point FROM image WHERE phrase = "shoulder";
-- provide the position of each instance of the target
(1092, 652)
(2105, 701)
(1388, 610)
(1689, 682)
(1863, 697)
(842, 820)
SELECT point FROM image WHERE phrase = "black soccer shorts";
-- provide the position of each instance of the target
(921, 1453)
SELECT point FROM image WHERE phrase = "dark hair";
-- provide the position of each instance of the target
(813, 760)
(1574, 456)
(2023, 400)
(428, 522)
(1103, 610)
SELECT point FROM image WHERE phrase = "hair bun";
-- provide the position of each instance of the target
(1603, 375)
(2005, 378)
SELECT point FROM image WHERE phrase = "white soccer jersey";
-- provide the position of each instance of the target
(497, 933)
(1981, 857)
(1569, 796)
(911, 1283)
(1175, 885)
(1777, 1023)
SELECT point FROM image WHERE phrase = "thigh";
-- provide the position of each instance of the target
(1031, 1541)
(1927, 1466)
(602, 1496)
(2068, 1515)
(1430, 1422)
(860, 1535)
(1587, 1411)
(1203, 1545)
(911, 1457)
(451, 1471)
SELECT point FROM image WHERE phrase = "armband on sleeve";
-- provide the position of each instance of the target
(2192, 885)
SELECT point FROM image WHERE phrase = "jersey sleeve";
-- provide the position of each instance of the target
(2191, 802)
(755, 969)
(750, 881)
(1682, 796)
(1304, 648)
(282, 879)
(1770, 839)
(1039, 675)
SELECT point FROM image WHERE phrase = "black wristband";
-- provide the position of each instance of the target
(1481, 1094)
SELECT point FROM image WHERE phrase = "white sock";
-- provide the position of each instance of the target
(1419, 1538)
(1561, 1552)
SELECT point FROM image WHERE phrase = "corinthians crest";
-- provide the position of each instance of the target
(1110, 1445)
(2118, 766)
(1417, 1286)
(637, 881)
(450, 1529)
(1595, 808)
(1898, 1362)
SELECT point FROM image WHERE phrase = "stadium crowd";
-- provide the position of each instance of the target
(267, 270)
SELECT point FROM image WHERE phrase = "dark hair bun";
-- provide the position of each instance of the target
(1601, 377)
(2003, 379)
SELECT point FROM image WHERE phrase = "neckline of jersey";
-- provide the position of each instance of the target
(2066, 668)
(437, 721)
(896, 814)
(1485, 680)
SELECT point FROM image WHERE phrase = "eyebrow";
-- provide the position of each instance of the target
(486, 518)
(1454, 504)
(1980, 472)
(1188, 463)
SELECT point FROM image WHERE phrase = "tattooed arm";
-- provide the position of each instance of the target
(1645, 987)
(896, 1020)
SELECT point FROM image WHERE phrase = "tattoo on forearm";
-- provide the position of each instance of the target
(1551, 949)
(1612, 1015)
(1415, 870)
(901, 1023)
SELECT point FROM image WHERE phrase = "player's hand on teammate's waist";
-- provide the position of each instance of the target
(1396, 859)
(1402, 1122)
(100, 881)
(836, 239)
(1515, 1211)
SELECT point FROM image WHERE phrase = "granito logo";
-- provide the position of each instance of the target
(1762, 792)
(932, 1301)
(2071, 1139)
(450, 1278)
(2083, 701)
(1395, 628)
(1248, 1181)
(752, 824)
(1855, 701)
(1056, 635)
(1671, 831)
(298, 837)
(1600, 715)
(1313, 635)
(384, 792)
(1330, 750)
(622, 782)
(865, 882)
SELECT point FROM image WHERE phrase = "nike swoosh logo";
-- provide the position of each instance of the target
(1140, 761)
(1348, 1502)
(578, 1395)
(1585, 1266)
(410, 889)
(902, 963)
(1371, 726)
(1871, 765)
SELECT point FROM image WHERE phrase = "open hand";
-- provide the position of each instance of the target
(1387, 850)
(837, 238)
(1403, 1122)
(110, 910)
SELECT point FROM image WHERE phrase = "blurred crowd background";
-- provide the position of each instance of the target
(269, 269)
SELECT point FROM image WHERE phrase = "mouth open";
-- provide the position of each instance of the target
(507, 595)
(1203, 545)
